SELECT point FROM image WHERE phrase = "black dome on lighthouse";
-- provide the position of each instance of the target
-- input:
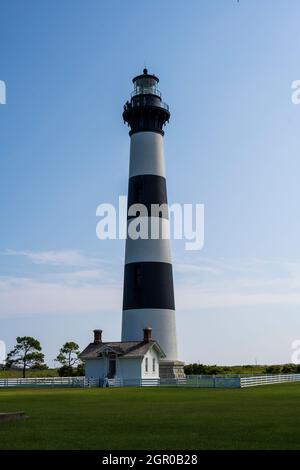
(146, 111)
(146, 75)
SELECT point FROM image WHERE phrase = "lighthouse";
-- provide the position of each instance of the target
(148, 294)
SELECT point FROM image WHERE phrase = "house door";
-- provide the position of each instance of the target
(111, 367)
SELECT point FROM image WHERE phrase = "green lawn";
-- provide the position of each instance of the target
(153, 418)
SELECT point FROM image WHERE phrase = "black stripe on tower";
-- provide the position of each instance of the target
(148, 285)
(147, 190)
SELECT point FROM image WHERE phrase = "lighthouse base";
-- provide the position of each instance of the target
(171, 370)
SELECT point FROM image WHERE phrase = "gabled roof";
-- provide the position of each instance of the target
(121, 348)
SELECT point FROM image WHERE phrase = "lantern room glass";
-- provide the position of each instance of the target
(146, 86)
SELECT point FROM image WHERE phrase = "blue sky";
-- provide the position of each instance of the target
(226, 69)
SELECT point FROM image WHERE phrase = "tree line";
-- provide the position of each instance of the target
(202, 369)
(27, 354)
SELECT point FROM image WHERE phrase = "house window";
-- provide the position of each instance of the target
(146, 364)
(153, 365)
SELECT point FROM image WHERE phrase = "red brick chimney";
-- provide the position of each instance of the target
(97, 336)
(147, 335)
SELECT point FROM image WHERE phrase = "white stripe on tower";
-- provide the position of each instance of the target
(148, 298)
(147, 154)
(155, 250)
(162, 322)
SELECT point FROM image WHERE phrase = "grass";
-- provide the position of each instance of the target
(11, 373)
(153, 418)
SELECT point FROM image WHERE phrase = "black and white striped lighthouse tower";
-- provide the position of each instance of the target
(148, 297)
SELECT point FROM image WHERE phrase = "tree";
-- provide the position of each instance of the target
(68, 358)
(289, 368)
(40, 366)
(65, 371)
(26, 353)
(273, 369)
(80, 370)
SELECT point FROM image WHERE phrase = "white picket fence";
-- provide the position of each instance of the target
(48, 382)
(76, 382)
(237, 381)
(254, 381)
(118, 382)
(211, 381)
(197, 381)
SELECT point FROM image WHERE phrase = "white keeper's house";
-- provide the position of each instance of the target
(124, 362)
